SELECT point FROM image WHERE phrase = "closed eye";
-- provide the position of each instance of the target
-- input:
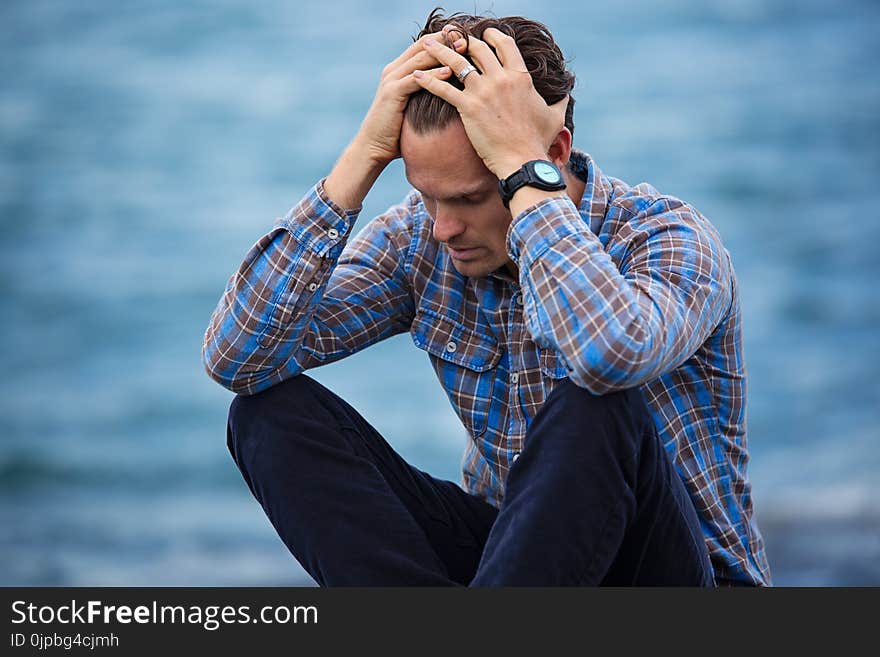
(467, 199)
(473, 200)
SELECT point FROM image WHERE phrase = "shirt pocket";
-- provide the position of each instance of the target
(465, 362)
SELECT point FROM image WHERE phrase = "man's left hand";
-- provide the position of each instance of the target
(506, 120)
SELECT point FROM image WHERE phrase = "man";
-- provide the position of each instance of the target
(587, 334)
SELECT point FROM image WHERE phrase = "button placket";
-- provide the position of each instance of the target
(515, 332)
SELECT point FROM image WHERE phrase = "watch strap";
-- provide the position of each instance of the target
(526, 175)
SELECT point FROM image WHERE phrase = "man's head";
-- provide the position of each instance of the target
(543, 58)
(459, 192)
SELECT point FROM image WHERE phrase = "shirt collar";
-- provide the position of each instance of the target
(597, 190)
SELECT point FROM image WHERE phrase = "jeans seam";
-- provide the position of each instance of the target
(402, 484)
(604, 534)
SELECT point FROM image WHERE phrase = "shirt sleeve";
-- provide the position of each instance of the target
(623, 316)
(304, 296)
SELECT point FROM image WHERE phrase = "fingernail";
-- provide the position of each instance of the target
(418, 74)
(430, 42)
(444, 70)
(459, 43)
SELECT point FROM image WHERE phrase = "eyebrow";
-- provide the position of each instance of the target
(474, 191)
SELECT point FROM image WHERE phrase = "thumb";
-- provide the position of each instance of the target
(559, 108)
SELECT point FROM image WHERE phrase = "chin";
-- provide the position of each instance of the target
(478, 268)
(473, 269)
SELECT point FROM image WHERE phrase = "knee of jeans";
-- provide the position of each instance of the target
(250, 414)
(621, 417)
(581, 403)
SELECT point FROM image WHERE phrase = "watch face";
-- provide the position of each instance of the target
(547, 173)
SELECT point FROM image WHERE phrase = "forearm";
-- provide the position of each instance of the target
(263, 315)
(621, 321)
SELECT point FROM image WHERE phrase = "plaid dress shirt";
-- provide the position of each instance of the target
(633, 288)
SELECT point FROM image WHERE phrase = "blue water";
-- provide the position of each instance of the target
(145, 146)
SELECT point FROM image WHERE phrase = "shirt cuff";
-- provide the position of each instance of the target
(318, 223)
(541, 226)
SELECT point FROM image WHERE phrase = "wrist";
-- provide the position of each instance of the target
(362, 149)
(512, 163)
(528, 197)
(353, 176)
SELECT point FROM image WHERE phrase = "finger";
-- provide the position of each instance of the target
(505, 48)
(559, 109)
(421, 60)
(440, 88)
(416, 46)
(451, 58)
(482, 55)
(410, 84)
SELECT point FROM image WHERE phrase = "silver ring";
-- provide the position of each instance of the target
(467, 70)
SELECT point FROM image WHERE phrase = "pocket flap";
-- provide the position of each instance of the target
(453, 342)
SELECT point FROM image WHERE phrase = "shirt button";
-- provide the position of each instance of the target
(519, 300)
(451, 346)
(515, 457)
(514, 377)
(313, 286)
(332, 233)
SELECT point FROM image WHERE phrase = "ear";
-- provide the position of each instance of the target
(560, 149)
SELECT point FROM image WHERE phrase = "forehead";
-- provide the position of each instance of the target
(443, 163)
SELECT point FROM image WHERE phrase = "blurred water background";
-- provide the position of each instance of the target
(144, 146)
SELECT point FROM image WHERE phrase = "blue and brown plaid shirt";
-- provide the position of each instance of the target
(633, 288)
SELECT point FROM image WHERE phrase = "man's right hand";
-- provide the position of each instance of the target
(378, 141)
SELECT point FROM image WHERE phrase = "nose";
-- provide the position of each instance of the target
(446, 225)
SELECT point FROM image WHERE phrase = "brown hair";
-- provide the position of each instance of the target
(543, 58)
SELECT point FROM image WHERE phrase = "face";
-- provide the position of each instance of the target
(461, 195)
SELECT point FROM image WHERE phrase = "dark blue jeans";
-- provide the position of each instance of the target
(593, 498)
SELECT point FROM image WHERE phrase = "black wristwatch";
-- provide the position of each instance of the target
(535, 173)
